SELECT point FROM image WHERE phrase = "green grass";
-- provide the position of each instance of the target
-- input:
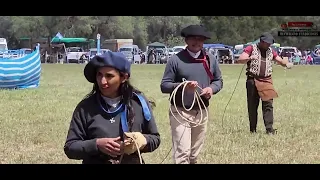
(34, 122)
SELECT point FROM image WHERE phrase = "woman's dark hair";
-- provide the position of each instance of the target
(126, 91)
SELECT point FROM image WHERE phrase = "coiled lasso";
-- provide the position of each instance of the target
(196, 97)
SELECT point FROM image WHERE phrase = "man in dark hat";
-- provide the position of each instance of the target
(259, 84)
(201, 69)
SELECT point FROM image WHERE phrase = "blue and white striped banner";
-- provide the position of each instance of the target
(21, 73)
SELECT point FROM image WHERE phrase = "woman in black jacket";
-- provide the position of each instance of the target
(114, 122)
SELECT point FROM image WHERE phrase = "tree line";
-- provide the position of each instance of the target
(230, 30)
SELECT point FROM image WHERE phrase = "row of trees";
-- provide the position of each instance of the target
(229, 30)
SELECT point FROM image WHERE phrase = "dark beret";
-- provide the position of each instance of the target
(267, 37)
(116, 60)
(195, 30)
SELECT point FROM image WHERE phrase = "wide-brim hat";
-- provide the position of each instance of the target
(195, 30)
(116, 60)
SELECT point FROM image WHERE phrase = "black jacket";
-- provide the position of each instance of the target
(90, 122)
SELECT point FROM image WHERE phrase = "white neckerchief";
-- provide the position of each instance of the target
(194, 55)
(113, 102)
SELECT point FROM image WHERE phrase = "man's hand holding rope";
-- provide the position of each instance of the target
(191, 85)
(206, 92)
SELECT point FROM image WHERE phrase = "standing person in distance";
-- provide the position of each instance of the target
(195, 65)
(259, 83)
(111, 115)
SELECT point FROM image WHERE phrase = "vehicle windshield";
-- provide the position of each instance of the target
(238, 51)
(75, 49)
(316, 47)
(93, 53)
(28, 51)
(178, 49)
(3, 47)
(224, 52)
(125, 49)
(288, 50)
(161, 51)
(156, 47)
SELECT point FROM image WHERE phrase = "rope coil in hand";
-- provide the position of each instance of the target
(196, 97)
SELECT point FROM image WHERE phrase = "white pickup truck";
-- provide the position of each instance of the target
(76, 54)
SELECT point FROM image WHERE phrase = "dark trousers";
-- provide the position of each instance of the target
(253, 100)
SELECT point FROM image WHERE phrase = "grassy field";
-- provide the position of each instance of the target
(34, 122)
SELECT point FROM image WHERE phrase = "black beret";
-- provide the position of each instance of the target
(116, 60)
(195, 30)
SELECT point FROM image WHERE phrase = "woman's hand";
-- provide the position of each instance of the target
(131, 139)
(109, 146)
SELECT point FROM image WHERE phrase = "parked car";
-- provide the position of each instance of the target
(26, 50)
(315, 54)
(159, 52)
(76, 54)
(132, 53)
(161, 55)
(93, 51)
(177, 49)
(287, 51)
(224, 55)
(170, 51)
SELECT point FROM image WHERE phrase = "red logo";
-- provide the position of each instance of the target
(284, 26)
(300, 24)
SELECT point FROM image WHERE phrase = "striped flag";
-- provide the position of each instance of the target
(58, 36)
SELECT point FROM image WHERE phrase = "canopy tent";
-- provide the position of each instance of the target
(157, 44)
(28, 38)
(69, 40)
